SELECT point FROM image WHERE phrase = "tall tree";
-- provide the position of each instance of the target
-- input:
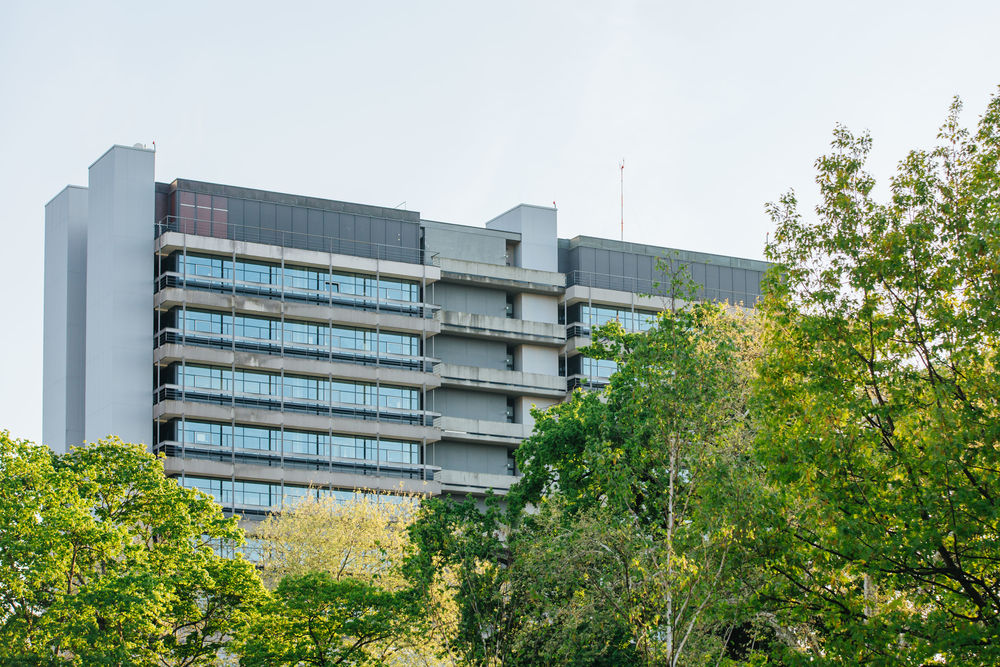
(879, 395)
(339, 565)
(103, 560)
(665, 449)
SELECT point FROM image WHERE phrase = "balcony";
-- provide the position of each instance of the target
(506, 382)
(505, 329)
(480, 430)
(474, 483)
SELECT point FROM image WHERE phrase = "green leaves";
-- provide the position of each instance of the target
(877, 395)
(316, 619)
(104, 560)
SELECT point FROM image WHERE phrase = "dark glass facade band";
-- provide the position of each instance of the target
(240, 493)
(271, 391)
(595, 316)
(301, 283)
(291, 337)
(301, 444)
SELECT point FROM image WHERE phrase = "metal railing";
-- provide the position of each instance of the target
(319, 462)
(318, 352)
(292, 239)
(654, 288)
(174, 392)
(267, 291)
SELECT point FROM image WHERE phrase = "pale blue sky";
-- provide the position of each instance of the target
(464, 109)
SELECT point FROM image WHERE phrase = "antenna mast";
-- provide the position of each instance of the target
(621, 191)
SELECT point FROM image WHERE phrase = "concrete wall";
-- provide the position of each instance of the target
(468, 299)
(536, 308)
(469, 457)
(468, 404)
(119, 359)
(538, 248)
(468, 351)
(64, 331)
(522, 409)
(472, 244)
(536, 359)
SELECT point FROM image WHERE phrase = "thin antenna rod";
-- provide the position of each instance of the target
(621, 190)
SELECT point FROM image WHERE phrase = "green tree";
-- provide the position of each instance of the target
(879, 396)
(622, 542)
(362, 544)
(317, 619)
(664, 452)
(103, 560)
(469, 550)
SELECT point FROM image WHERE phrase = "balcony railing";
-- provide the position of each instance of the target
(280, 292)
(319, 352)
(653, 288)
(318, 462)
(173, 392)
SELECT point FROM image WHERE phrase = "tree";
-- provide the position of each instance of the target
(665, 451)
(879, 395)
(349, 555)
(317, 619)
(621, 543)
(105, 560)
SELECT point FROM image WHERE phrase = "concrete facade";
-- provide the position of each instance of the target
(297, 345)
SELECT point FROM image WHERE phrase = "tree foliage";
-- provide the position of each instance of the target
(103, 560)
(341, 593)
(620, 543)
(879, 396)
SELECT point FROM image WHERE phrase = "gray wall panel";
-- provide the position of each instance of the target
(119, 361)
(469, 351)
(468, 404)
(468, 299)
(470, 457)
(64, 329)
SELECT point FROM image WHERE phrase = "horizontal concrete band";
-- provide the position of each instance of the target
(598, 295)
(174, 466)
(170, 297)
(483, 431)
(196, 354)
(175, 409)
(474, 483)
(171, 241)
(505, 329)
(501, 381)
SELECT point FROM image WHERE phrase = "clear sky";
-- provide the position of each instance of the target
(463, 109)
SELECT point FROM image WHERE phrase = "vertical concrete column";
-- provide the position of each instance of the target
(119, 340)
(64, 330)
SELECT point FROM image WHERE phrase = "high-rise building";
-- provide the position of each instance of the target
(273, 345)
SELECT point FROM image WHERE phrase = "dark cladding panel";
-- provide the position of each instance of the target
(739, 285)
(378, 235)
(347, 227)
(726, 282)
(363, 234)
(300, 229)
(617, 264)
(587, 260)
(698, 276)
(410, 241)
(284, 223)
(314, 226)
(712, 281)
(267, 223)
(602, 262)
(630, 265)
(237, 220)
(331, 227)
